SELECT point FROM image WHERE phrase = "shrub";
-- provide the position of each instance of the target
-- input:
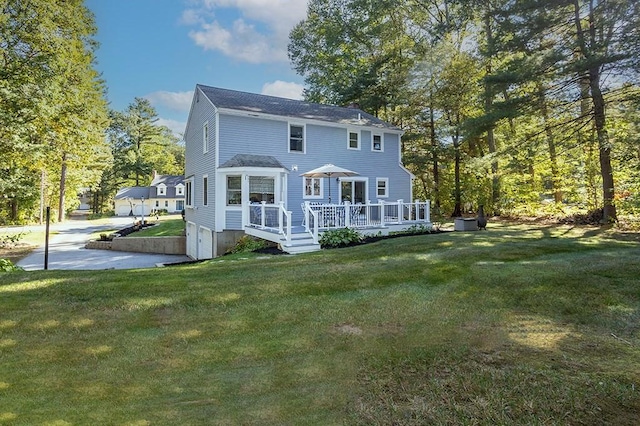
(7, 266)
(414, 230)
(9, 241)
(340, 238)
(248, 244)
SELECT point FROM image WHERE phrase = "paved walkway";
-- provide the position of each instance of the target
(66, 249)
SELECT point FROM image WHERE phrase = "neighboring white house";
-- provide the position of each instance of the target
(166, 193)
(244, 160)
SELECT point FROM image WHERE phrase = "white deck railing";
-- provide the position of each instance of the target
(270, 217)
(347, 215)
(276, 219)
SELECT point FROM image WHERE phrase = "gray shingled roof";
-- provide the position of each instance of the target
(250, 102)
(250, 160)
(133, 192)
(169, 180)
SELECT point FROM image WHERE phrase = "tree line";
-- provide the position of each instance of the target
(523, 106)
(57, 134)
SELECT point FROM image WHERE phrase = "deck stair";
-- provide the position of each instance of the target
(301, 241)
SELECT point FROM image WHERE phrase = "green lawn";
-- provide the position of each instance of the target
(166, 226)
(516, 325)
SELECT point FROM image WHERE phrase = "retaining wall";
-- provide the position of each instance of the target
(162, 245)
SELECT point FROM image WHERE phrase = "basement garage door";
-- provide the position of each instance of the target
(205, 244)
(192, 240)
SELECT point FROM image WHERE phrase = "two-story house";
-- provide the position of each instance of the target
(165, 193)
(246, 155)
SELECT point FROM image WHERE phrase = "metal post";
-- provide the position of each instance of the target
(46, 240)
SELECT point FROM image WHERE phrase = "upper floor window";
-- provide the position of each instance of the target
(354, 139)
(205, 137)
(180, 189)
(162, 189)
(296, 138)
(377, 144)
(382, 187)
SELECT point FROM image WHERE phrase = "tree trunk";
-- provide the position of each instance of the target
(609, 208)
(63, 182)
(434, 147)
(457, 209)
(599, 115)
(490, 138)
(551, 145)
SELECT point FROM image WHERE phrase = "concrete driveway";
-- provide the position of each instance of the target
(66, 249)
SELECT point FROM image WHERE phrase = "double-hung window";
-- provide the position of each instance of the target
(353, 139)
(377, 143)
(382, 187)
(296, 138)
(234, 190)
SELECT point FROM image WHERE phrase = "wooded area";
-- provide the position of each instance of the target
(527, 107)
(54, 117)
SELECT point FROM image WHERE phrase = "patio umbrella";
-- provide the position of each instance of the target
(329, 171)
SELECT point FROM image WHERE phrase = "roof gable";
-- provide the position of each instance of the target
(168, 180)
(272, 105)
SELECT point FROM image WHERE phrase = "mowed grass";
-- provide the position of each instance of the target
(166, 226)
(516, 325)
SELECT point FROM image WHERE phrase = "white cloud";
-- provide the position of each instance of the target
(177, 101)
(283, 89)
(260, 35)
(177, 127)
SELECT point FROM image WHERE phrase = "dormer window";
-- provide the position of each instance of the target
(180, 189)
(162, 189)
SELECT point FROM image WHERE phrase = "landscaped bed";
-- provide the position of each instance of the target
(517, 325)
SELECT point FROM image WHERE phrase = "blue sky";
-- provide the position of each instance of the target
(160, 49)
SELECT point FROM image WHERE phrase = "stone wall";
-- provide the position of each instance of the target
(162, 245)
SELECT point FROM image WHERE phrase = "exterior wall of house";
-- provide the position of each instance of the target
(198, 164)
(323, 144)
(244, 133)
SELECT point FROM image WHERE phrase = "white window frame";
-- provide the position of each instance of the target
(162, 189)
(205, 137)
(205, 190)
(304, 138)
(386, 187)
(357, 132)
(373, 143)
(180, 189)
(311, 196)
(188, 197)
(226, 190)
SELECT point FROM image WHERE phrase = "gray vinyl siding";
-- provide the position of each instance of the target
(246, 134)
(323, 144)
(233, 219)
(199, 163)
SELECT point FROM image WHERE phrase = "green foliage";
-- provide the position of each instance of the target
(138, 146)
(10, 240)
(7, 266)
(340, 237)
(248, 244)
(52, 106)
(414, 230)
